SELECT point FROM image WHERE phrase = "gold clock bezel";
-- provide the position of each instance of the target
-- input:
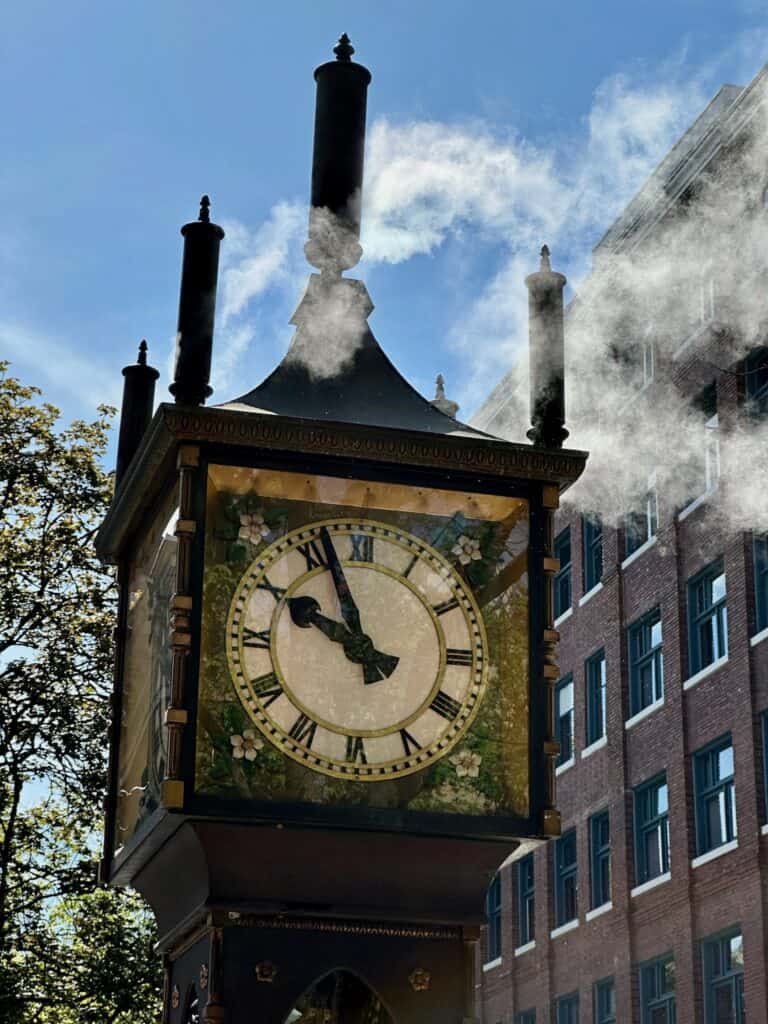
(383, 771)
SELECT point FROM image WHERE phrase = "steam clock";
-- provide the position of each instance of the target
(318, 766)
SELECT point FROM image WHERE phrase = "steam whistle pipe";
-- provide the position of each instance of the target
(136, 410)
(546, 332)
(337, 161)
(197, 305)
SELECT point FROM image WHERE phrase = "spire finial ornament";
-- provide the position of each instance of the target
(142, 359)
(545, 264)
(344, 48)
(205, 210)
(442, 403)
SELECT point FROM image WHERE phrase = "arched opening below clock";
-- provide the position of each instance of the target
(339, 998)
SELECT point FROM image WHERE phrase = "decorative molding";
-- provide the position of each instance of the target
(343, 927)
(265, 972)
(420, 979)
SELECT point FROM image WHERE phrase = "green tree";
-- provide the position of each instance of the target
(56, 622)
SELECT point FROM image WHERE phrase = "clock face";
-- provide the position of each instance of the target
(357, 649)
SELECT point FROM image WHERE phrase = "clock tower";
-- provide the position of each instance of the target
(334, 684)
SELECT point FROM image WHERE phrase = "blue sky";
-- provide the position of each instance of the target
(493, 127)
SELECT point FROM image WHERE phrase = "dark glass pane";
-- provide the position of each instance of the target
(725, 1009)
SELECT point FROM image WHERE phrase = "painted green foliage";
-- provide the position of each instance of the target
(486, 773)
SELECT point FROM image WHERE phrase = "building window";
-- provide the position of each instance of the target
(760, 549)
(563, 577)
(657, 992)
(564, 718)
(592, 533)
(646, 666)
(651, 830)
(600, 858)
(724, 979)
(604, 1002)
(493, 915)
(567, 1009)
(764, 719)
(526, 1017)
(715, 797)
(707, 617)
(756, 381)
(526, 901)
(596, 685)
(566, 888)
(642, 522)
(704, 301)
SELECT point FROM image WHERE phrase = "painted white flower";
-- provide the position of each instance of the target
(467, 549)
(252, 527)
(246, 745)
(467, 764)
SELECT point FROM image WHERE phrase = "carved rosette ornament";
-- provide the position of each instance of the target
(203, 975)
(266, 972)
(420, 979)
(175, 997)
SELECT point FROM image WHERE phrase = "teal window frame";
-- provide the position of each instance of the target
(651, 814)
(592, 548)
(526, 900)
(600, 858)
(596, 679)
(707, 617)
(657, 991)
(564, 578)
(646, 661)
(760, 567)
(604, 1001)
(715, 795)
(564, 720)
(493, 918)
(565, 859)
(567, 1009)
(723, 983)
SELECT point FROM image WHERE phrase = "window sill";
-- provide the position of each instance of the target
(590, 594)
(719, 851)
(632, 722)
(563, 928)
(599, 911)
(697, 678)
(561, 618)
(696, 503)
(492, 964)
(522, 950)
(597, 745)
(565, 766)
(758, 637)
(650, 884)
(764, 830)
(645, 546)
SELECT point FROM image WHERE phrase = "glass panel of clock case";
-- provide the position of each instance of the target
(363, 642)
(146, 673)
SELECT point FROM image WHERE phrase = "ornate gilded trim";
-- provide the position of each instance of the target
(550, 821)
(401, 931)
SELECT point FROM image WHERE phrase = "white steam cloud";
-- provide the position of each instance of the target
(496, 197)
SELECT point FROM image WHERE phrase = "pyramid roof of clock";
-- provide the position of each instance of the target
(367, 390)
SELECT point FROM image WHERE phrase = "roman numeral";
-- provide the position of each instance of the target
(455, 657)
(445, 705)
(276, 592)
(258, 638)
(267, 688)
(445, 606)
(356, 750)
(362, 547)
(303, 730)
(313, 555)
(409, 743)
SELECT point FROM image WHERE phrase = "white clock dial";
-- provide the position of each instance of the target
(357, 649)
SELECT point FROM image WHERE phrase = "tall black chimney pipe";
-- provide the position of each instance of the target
(197, 305)
(136, 410)
(546, 332)
(337, 161)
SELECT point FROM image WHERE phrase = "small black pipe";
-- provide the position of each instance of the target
(546, 332)
(337, 160)
(197, 306)
(136, 411)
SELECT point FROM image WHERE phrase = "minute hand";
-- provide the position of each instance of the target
(349, 611)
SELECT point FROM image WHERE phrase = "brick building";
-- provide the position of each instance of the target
(652, 907)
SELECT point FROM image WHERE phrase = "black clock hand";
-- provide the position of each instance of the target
(349, 611)
(359, 649)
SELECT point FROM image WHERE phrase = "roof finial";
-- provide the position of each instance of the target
(440, 386)
(142, 360)
(442, 403)
(545, 264)
(344, 48)
(205, 210)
